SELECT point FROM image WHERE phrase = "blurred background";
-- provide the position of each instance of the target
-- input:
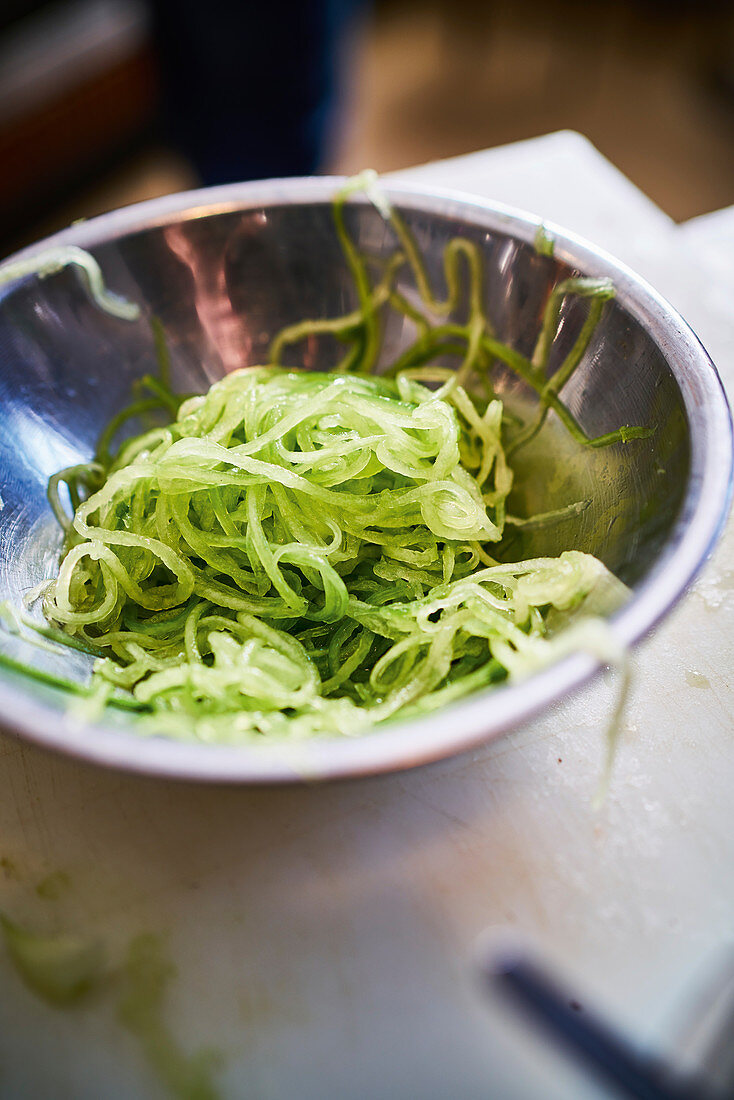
(106, 102)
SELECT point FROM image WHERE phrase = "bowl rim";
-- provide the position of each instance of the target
(469, 722)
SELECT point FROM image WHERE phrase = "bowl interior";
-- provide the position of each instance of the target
(223, 281)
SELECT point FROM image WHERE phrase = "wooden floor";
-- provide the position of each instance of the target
(650, 84)
(644, 82)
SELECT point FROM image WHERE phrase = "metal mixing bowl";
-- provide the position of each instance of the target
(225, 269)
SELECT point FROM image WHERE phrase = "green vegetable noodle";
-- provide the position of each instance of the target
(61, 969)
(300, 554)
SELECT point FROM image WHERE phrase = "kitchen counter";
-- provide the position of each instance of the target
(325, 936)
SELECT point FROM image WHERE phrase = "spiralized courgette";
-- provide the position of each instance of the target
(300, 554)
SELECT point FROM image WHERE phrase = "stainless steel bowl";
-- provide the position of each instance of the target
(224, 269)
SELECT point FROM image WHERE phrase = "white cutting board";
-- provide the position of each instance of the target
(324, 936)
